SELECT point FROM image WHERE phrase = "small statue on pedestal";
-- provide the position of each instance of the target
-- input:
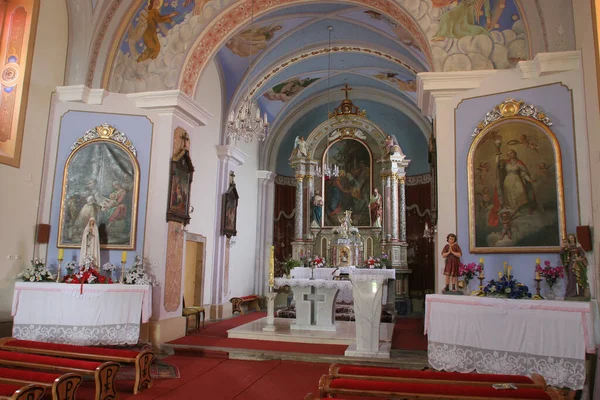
(90, 243)
(452, 254)
(316, 205)
(575, 263)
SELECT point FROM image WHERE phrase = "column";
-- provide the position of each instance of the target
(311, 192)
(388, 206)
(402, 209)
(394, 180)
(383, 207)
(299, 202)
(264, 229)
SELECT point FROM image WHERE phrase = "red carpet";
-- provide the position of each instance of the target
(219, 329)
(408, 334)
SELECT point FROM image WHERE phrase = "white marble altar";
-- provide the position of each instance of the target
(367, 289)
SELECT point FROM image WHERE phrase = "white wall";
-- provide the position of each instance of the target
(204, 157)
(21, 187)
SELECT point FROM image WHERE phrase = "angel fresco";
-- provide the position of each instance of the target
(252, 41)
(150, 21)
(286, 90)
(409, 85)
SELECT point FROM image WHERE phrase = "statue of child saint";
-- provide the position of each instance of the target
(452, 254)
(90, 243)
(575, 263)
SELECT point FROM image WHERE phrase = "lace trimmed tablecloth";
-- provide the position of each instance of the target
(514, 337)
(99, 314)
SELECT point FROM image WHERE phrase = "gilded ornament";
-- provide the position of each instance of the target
(511, 108)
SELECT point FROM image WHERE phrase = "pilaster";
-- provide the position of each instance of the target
(264, 229)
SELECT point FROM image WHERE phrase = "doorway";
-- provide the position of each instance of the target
(193, 279)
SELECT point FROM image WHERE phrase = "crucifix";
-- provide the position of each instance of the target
(346, 89)
(185, 137)
(313, 298)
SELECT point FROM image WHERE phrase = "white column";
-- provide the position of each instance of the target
(264, 229)
(394, 207)
(299, 214)
(230, 157)
(402, 208)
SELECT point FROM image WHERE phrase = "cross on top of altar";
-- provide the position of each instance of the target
(345, 222)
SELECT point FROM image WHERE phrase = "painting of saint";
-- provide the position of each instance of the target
(286, 90)
(101, 181)
(517, 200)
(351, 189)
(252, 41)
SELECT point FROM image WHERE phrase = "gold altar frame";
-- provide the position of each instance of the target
(511, 112)
(109, 135)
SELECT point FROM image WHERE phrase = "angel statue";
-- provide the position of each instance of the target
(300, 149)
(149, 24)
(90, 243)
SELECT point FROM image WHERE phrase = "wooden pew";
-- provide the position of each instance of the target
(141, 359)
(104, 373)
(332, 387)
(62, 387)
(20, 392)
(446, 378)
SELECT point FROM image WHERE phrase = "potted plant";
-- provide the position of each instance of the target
(289, 265)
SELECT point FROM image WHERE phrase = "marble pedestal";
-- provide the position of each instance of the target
(367, 290)
(270, 326)
(315, 308)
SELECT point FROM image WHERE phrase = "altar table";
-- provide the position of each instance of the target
(504, 336)
(90, 314)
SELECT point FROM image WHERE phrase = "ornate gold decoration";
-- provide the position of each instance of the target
(299, 177)
(402, 179)
(511, 108)
(346, 107)
(105, 131)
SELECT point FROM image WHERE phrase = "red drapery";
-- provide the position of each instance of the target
(283, 230)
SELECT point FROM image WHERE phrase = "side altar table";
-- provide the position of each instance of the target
(504, 336)
(90, 314)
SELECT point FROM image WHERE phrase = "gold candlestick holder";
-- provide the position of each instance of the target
(481, 286)
(122, 280)
(537, 295)
(58, 270)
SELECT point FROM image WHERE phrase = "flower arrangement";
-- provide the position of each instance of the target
(373, 262)
(549, 273)
(317, 262)
(71, 267)
(86, 273)
(385, 260)
(37, 272)
(468, 271)
(137, 274)
(506, 287)
(291, 264)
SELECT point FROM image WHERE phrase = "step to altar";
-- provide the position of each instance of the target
(345, 333)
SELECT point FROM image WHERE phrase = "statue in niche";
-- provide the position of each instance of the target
(90, 243)
(375, 208)
(391, 145)
(316, 205)
(576, 263)
(300, 149)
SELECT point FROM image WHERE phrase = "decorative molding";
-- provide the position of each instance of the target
(231, 153)
(419, 213)
(285, 180)
(282, 214)
(80, 93)
(510, 108)
(105, 131)
(174, 101)
(418, 179)
(549, 63)
(266, 175)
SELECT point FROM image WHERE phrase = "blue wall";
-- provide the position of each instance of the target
(73, 125)
(555, 100)
(390, 120)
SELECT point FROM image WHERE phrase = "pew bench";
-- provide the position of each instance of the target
(20, 392)
(447, 378)
(332, 387)
(142, 360)
(237, 302)
(62, 387)
(104, 373)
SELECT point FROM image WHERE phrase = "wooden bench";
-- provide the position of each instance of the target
(20, 392)
(331, 387)
(237, 302)
(104, 373)
(62, 387)
(141, 359)
(447, 378)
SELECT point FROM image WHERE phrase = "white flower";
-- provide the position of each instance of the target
(109, 267)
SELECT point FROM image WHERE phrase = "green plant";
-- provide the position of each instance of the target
(291, 264)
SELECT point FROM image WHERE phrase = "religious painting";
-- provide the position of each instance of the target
(286, 90)
(182, 172)
(252, 41)
(516, 200)
(230, 203)
(101, 181)
(351, 189)
(19, 19)
(401, 82)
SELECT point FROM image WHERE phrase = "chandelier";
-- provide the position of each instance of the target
(246, 123)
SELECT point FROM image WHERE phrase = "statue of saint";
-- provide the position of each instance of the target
(375, 207)
(90, 243)
(316, 209)
(300, 149)
(575, 263)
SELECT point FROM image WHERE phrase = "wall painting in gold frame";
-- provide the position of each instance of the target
(515, 183)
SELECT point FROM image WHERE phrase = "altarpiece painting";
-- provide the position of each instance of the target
(516, 200)
(351, 189)
(101, 181)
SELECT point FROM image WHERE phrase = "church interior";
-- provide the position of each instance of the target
(339, 189)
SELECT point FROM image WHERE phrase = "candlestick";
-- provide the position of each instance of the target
(537, 276)
(537, 261)
(58, 270)
(500, 275)
(122, 280)
(61, 253)
(272, 267)
(505, 263)
(537, 280)
(509, 269)
(481, 260)
(124, 257)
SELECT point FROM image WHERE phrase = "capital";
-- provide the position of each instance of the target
(299, 177)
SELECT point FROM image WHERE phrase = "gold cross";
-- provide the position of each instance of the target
(346, 89)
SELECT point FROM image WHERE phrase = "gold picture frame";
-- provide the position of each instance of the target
(101, 179)
(515, 183)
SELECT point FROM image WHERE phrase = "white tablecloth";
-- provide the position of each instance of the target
(99, 314)
(503, 336)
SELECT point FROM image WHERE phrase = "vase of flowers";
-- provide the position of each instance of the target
(385, 261)
(373, 262)
(37, 272)
(551, 275)
(137, 275)
(86, 274)
(316, 262)
(468, 272)
(289, 265)
(506, 287)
